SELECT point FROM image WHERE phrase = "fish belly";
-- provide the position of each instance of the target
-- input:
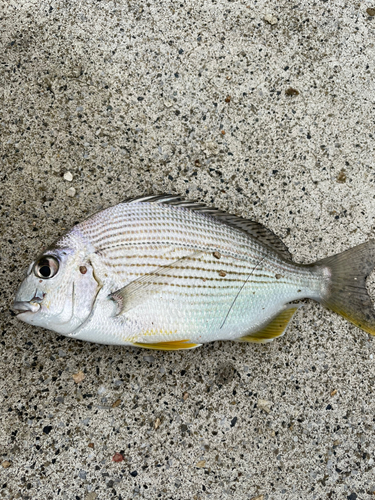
(210, 315)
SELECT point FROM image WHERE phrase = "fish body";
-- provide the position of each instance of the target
(159, 272)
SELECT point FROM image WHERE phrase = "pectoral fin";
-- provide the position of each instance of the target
(275, 328)
(168, 346)
(141, 289)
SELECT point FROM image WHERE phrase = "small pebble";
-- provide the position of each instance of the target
(91, 496)
(68, 176)
(116, 403)
(342, 176)
(370, 12)
(260, 497)
(117, 457)
(201, 463)
(211, 149)
(270, 19)
(6, 464)
(157, 423)
(291, 91)
(71, 192)
(222, 273)
(78, 377)
(150, 359)
(217, 255)
(333, 392)
(185, 396)
(264, 405)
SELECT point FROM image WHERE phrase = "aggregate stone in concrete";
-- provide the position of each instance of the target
(263, 109)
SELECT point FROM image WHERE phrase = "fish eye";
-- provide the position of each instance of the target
(46, 267)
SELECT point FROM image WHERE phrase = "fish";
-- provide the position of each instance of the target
(159, 272)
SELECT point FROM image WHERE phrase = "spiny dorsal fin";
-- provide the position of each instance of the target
(255, 229)
(174, 345)
(275, 328)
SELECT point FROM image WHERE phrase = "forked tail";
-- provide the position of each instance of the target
(346, 291)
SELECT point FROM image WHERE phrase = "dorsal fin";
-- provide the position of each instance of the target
(255, 229)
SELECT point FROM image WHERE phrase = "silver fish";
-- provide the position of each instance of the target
(161, 273)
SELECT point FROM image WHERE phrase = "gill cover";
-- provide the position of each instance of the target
(58, 291)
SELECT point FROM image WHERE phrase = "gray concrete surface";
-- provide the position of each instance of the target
(132, 98)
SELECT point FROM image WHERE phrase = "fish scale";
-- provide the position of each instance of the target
(159, 272)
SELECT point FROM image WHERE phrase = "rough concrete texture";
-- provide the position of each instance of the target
(261, 109)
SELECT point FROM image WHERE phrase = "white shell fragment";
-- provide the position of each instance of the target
(264, 405)
(71, 192)
(270, 19)
(78, 377)
(68, 176)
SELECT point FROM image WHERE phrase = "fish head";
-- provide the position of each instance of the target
(58, 291)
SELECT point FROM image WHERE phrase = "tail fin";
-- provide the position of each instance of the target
(346, 292)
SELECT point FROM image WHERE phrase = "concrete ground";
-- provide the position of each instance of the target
(261, 109)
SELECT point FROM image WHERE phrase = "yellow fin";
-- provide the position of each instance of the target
(174, 345)
(346, 291)
(275, 328)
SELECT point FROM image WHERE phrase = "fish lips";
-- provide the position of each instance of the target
(25, 307)
(28, 306)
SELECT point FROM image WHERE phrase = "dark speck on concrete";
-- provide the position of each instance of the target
(225, 374)
(352, 496)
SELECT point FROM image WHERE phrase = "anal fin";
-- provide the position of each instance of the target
(275, 328)
(174, 345)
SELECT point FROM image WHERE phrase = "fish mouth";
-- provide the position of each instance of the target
(23, 307)
(33, 305)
